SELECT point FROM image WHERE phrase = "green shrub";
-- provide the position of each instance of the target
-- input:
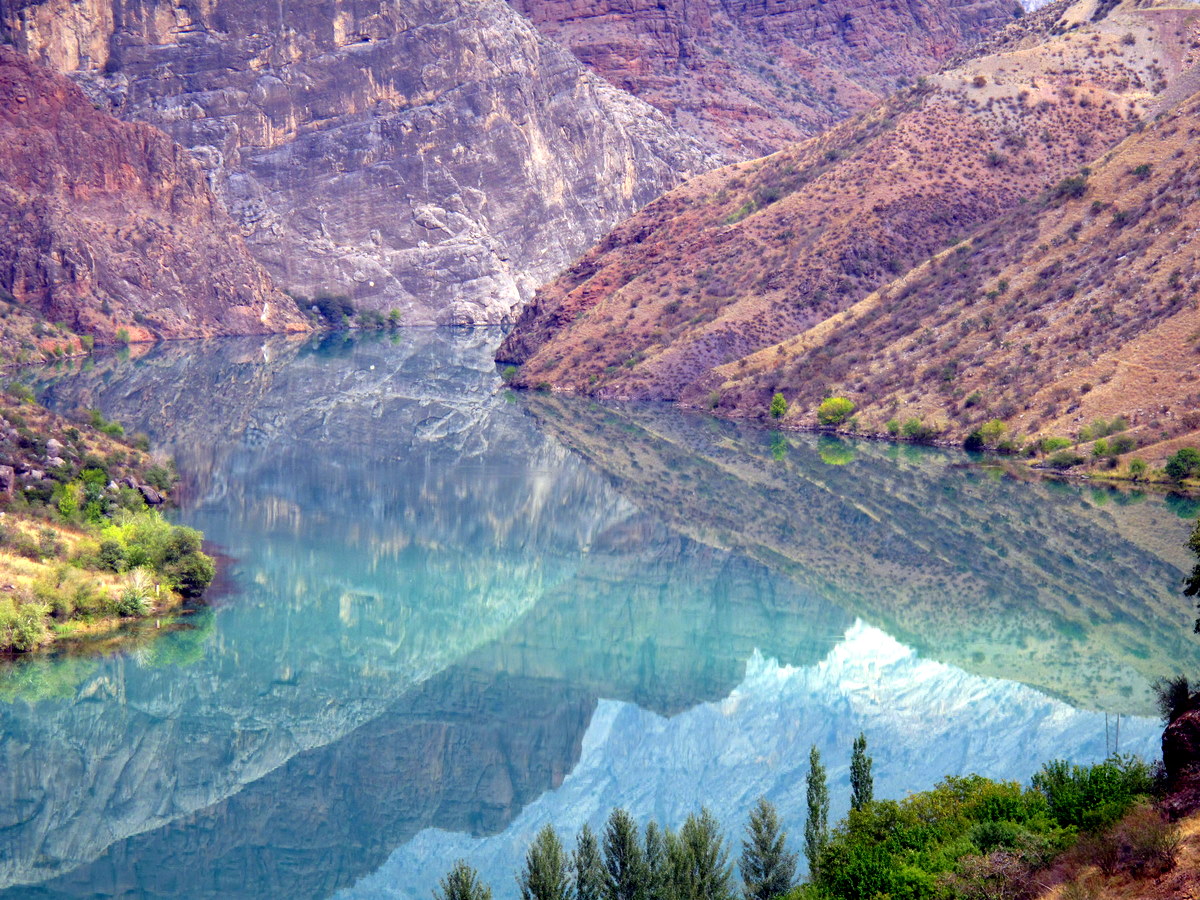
(778, 407)
(1064, 459)
(1093, 797)
(137, 595)
(917, 847)
(1121, 443)
(1075, 187)
(834, 410)
(1053, 444)
(170, 551)
(371, 318)
(23, 625)
(161, 477)
(1183, 463)
(111, 556)
(334, 309)
(1137, 468)
(916, 430)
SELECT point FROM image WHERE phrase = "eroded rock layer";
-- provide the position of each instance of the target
(749, 76)
(439, 158)
(107, 225)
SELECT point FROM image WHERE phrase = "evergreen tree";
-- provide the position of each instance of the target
(545, 874)
(660, 874)
(862, 783)
(588, 866)
(768, 870)
(705, 873)
(462, 883)
(816, 829)
(626, 875)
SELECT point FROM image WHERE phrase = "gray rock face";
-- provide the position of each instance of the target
(437, 157)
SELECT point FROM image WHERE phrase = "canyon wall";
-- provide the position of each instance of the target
(439, 158)
(749, 76)
(107, 225)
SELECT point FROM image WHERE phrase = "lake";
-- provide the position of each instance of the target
(449, 614)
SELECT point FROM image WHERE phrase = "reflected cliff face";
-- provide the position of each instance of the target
(455, 614)
(1070, 589)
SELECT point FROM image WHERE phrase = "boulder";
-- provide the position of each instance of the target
(8, 480)
(54, 447)
(150, 495)
(1181, 744)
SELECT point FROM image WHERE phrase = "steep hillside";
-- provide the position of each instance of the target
(106, 225)
(437, 157)
(749, 78)
(1072, 308)
(742, 258)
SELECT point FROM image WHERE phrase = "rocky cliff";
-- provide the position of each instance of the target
(749, 76)
(107, 225)
(751, 255)
(440, 158)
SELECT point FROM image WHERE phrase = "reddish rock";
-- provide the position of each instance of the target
(104, 224)
(749, 76)
(1181, 744)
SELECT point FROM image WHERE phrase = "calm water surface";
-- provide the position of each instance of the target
(453, 614)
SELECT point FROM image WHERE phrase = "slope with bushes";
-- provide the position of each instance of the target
(757, 254)
(82, 547)
(1083, 306)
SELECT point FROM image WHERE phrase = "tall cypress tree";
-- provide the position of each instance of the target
(816, 829)
(588, 866)
(626, 875)
(545, 874)
(768, 869)
(462, 883)
(862, 783)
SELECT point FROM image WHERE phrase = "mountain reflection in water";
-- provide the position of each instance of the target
(457, 613)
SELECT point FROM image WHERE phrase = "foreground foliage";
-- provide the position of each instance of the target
(969, 837)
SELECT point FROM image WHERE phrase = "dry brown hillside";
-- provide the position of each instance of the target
(1084, 304)
(745, 257)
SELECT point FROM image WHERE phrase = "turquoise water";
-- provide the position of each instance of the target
(450, 614)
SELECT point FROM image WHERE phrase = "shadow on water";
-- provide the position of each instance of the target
(436, 586)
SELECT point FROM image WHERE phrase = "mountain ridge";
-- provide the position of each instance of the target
(676, 303)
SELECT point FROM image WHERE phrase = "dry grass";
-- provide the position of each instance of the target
(1181, 883)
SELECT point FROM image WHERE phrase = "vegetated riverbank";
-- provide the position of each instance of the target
(1100, 451)
(1119, 828)
(83, 547)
